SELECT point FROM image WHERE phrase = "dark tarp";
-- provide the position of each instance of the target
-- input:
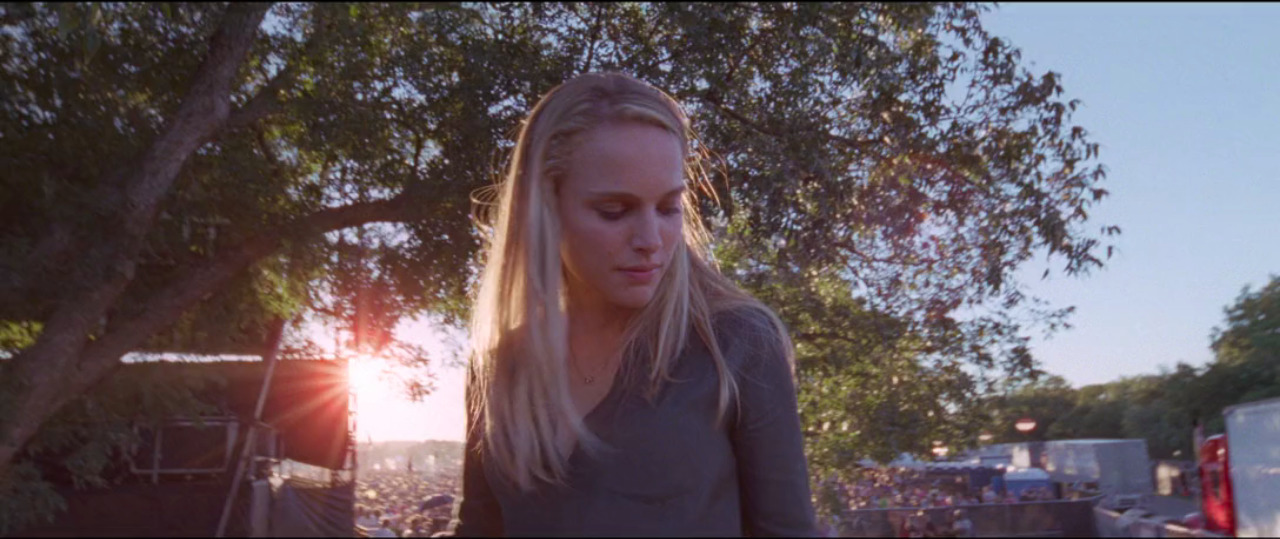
(191, 447)
(307, 403)
(178, 509)
(303, 508)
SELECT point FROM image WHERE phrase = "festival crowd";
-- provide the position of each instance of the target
(906, 488)
(402, 503)
(882, 488)
(405, 504)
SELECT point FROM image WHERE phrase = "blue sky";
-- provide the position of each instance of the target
(1185, 102)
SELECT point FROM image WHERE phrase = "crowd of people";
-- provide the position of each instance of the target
(405, 503)
(920, 525)
(912, 496)
(883, 488)
(400, 503)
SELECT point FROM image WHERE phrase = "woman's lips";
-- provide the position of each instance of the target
(640, 276)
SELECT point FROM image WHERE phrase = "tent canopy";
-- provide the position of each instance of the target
(1026, 474)
(307, 402)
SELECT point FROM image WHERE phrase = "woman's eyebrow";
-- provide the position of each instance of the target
(623, 195)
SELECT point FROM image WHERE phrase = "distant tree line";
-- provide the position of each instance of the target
(1161, 408)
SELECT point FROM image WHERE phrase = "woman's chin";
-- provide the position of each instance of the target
(636, 298)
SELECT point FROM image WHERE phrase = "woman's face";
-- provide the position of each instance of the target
(620, 212)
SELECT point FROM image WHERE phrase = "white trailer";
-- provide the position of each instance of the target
(1119, 469)
(1253, 456)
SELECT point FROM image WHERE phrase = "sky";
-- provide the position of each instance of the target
(1184, 100)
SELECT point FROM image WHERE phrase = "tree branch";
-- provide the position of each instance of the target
(204, 110)
(263, 104)
(595, 38)
(266, 102)
(826, 335)
(851, 249)
(715, 101)
(199, 283)
(143, 184)
(132, 192)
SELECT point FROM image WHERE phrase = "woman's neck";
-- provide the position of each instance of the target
(596, 327)
(600, 322)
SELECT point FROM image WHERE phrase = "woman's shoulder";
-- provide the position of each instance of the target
(748, 320)
(750, 333)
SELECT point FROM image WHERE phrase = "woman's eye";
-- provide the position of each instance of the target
(670, 210)
(611, 214)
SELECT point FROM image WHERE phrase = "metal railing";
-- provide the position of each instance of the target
(1055, 518)
(1113, 524)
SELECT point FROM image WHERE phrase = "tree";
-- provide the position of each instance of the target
(1252, 332)
(200, 167)
(273, 151)
(1246, 365)
(1046, 400)
(1093, 416)
(864, 390)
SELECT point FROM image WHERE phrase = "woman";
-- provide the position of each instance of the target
(619, 384)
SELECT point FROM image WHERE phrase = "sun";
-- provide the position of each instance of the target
(385, 413)
(364, 374)
(381, 404)
(378, 401)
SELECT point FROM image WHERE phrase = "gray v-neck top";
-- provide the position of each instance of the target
(670, 469)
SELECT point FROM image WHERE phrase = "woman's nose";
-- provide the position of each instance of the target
(646, 236)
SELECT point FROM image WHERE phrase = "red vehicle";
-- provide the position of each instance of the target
(1240, 472)
(1215, 491)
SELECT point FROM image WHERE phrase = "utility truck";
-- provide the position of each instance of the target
(1240, 472)
(1118, 469)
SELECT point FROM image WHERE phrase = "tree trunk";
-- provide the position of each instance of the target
(53, 371)
(49, 373)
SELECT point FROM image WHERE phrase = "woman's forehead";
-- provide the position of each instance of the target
(634, 158)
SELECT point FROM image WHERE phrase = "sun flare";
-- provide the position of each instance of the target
(380, 401)
(364, 374)
(385, 413)
(376, 397)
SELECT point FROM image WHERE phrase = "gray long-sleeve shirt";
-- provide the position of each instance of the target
(670, 469)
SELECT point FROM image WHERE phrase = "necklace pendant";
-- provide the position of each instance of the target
(588, 379)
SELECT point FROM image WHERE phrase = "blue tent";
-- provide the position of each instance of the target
(1021, 479)
(976, 475)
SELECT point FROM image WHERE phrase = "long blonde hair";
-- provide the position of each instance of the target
(519, 335)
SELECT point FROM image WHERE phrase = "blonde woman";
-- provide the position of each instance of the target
(619, 384)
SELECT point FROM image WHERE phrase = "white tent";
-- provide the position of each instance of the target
(1026, 474)
(905, 460)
